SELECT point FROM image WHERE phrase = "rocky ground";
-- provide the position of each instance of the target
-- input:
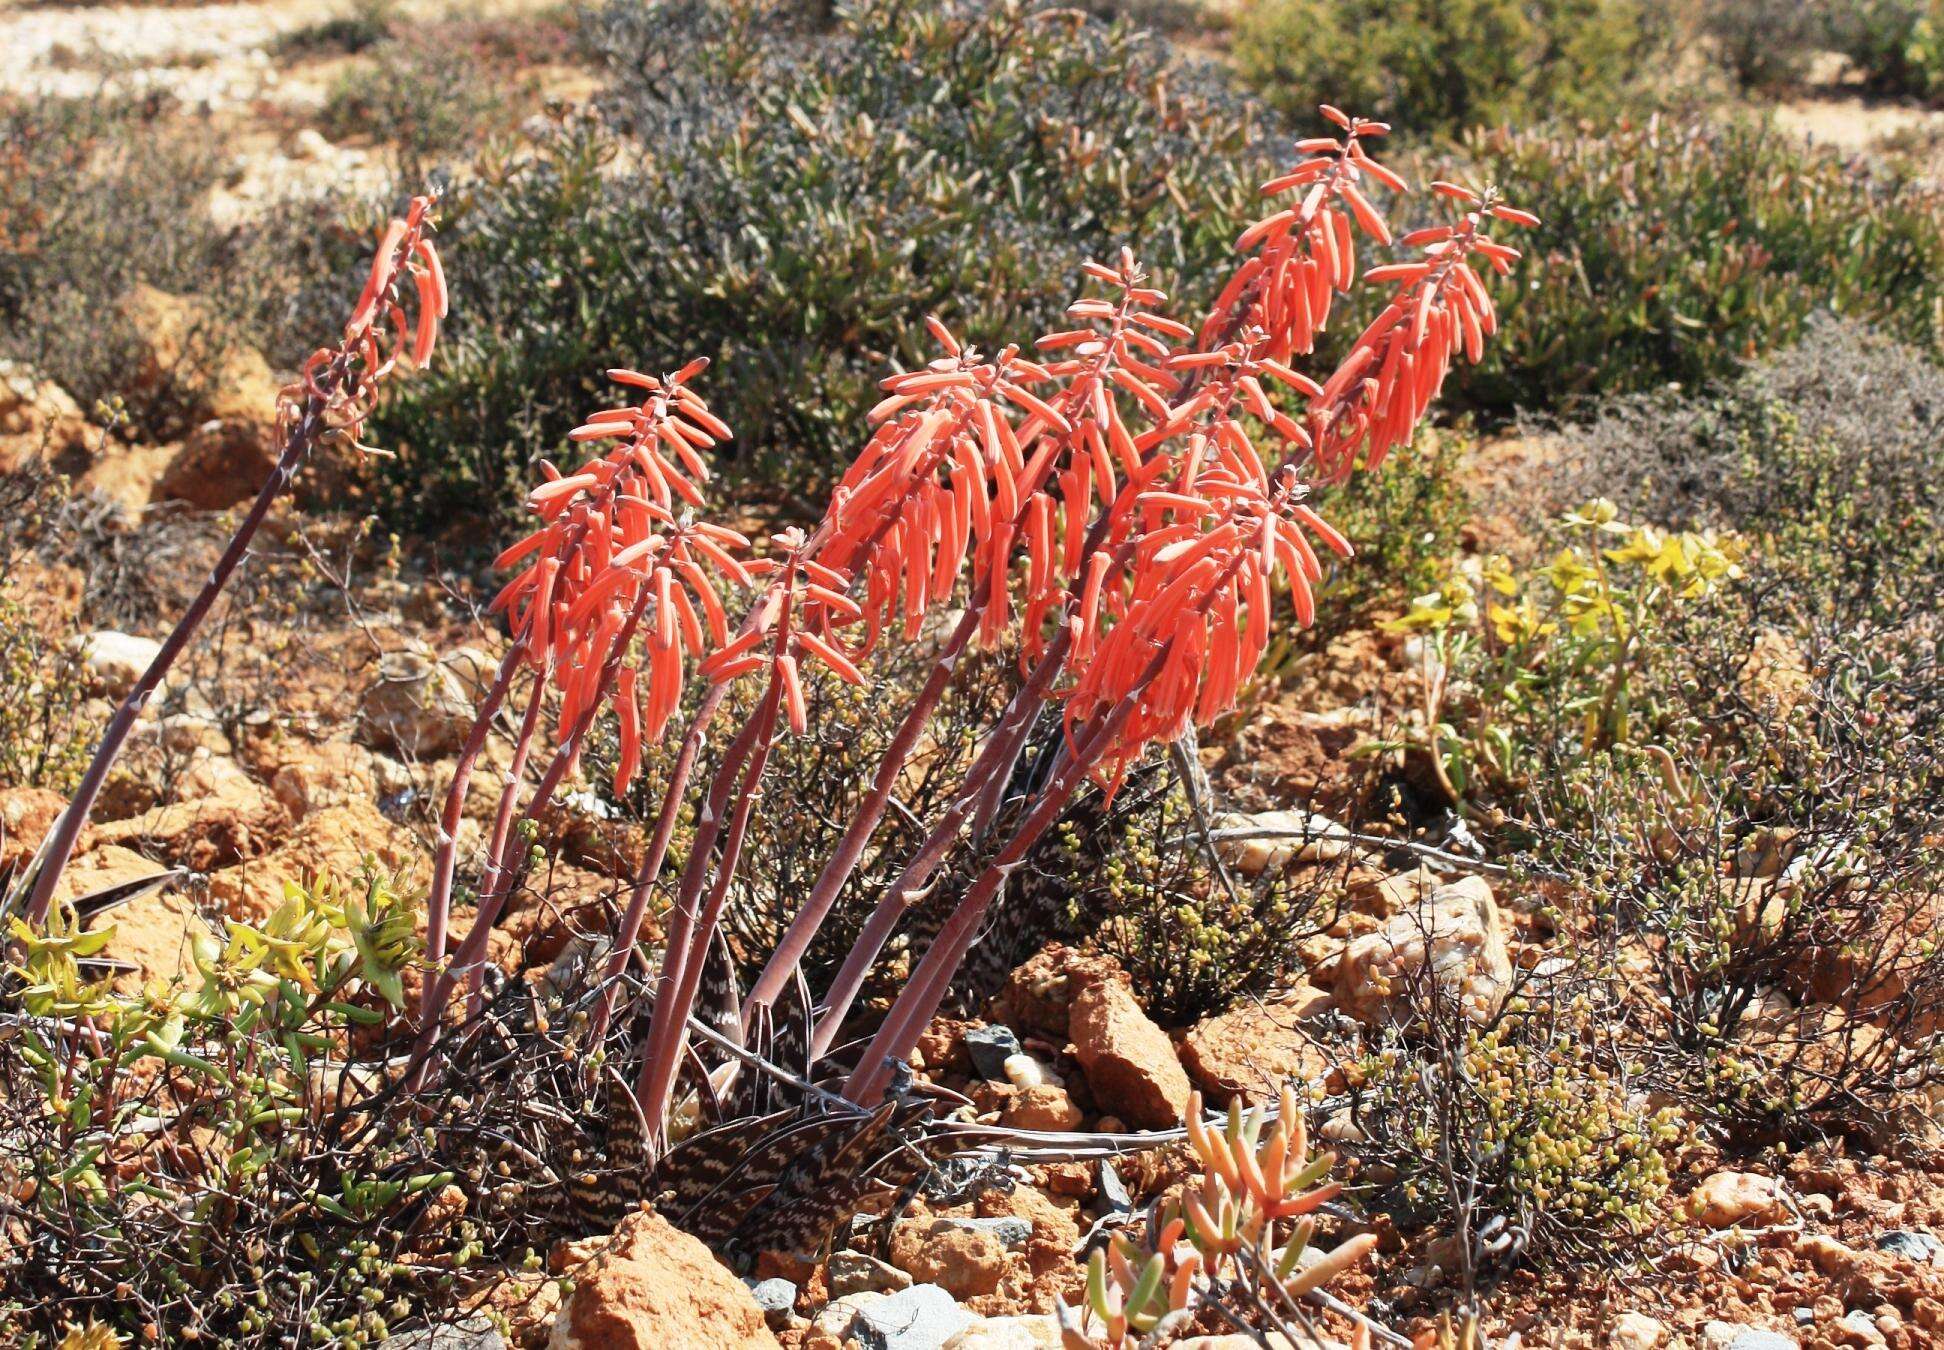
(322, 719)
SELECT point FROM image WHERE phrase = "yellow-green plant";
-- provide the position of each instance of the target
(1237, 1241)
(1505, 655)
(200, 1135)
(43, 737)
(1514, 1137)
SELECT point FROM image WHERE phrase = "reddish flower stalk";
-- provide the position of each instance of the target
(1099, 364)
(334, 394)
(1116, 517)
(611, 554)
(1284, 292)
(1193, 656)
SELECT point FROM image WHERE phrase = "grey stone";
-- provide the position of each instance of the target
(1910, 1244)
(1733, 1336)
(990, 1047)
(1013, 1233)
(475, 1333)
(777, 1298)
(1862, 1324)
(1113, 1191)
(922, 1317)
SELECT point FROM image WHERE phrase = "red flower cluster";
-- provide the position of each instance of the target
(1122, 509)
(613, 551)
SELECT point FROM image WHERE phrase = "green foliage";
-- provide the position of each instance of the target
(1886, 41)
(101, 195)
(1510, 662)
(1763, 846)
(369, 23)
(1195, 936)
(1671, 253)
(1446, 67)
(436, 90)
(1821, 456)
(1522, 1123)
(1765, 44)
(180, 1157)
(792, 209)
(1925, 54)
(44, 737)
(1403, 518)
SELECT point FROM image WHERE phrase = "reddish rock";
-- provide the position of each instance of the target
(26, 815)
(1038, 995)
(1729, 1198)
(152, 932)
(656, 1288)
(185, 351)
(419, 705)
(1041, 1107)
(336, 839)
(1130, 1063)
(1253, 1049)
(127, 476)
(237, 821)
(964, 1262)
(311, 777)
(220, 464)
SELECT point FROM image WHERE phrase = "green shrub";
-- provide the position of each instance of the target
(1769, 872)
(1926, 51)
(1519, 1138)
(1515, 664)
(1765, 44)
(369, 23)
(439, 90)
(1822, 456)
(1673, 253)
(793, 208)
(194, 1165)
(1445, 67)
(1760, 847)
(1881, 40)
(101, 195)
(1141, 880)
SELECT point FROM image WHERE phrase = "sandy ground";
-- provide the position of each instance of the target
(220, 64)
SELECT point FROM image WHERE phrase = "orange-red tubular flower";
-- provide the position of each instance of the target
(612, 544)
(1441, 307)
(1304, 254)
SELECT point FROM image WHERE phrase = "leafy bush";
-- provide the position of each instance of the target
(188, 1161)
(1672, 253)
(1511, 663)
(1143, 882)
(1883, 41)
(1926, 52)
(1775, 876)
(1447, 67)
(1821, 456)
(1765, 44)
(44, 740)
(793, 208)
(437, 90)
(1521, 1138)
(102, 195)
(43, 732)
(369, 23)
(1778, 803)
